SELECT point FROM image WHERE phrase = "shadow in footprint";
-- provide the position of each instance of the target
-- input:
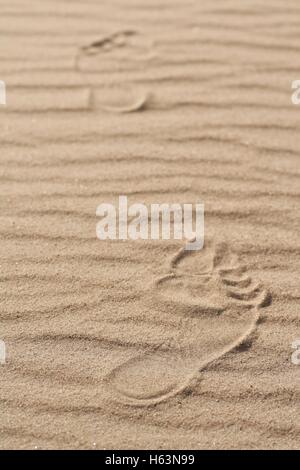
(217, 305)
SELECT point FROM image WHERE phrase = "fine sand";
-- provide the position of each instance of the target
(141, 344)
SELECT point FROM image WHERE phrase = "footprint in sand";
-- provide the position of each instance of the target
(217, 306)
(106, 63)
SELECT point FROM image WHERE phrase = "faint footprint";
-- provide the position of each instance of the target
(217, 306)
(113, 55)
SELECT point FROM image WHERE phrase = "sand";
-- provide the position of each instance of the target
(139, 344)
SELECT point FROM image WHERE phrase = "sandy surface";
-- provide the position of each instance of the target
(115, 344)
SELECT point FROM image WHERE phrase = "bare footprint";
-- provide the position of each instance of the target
(114, 55)
(217, 307)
